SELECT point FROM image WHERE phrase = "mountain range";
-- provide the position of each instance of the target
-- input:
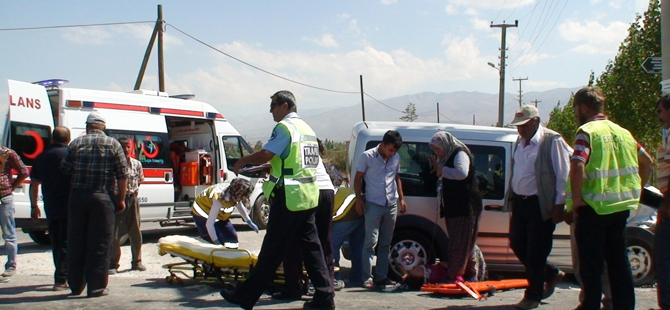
(456, 107)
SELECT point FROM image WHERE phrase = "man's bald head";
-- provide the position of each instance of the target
(61, 135)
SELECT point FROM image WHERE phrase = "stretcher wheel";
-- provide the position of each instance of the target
(169, 279)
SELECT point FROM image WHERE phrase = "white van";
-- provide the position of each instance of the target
(420, 233)
(184, 145)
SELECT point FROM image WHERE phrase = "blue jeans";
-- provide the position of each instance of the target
(379, 225)
(662, 262)
(9, 229)
(354, 231)
(225, 230)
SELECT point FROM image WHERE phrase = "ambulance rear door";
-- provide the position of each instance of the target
(28, 132)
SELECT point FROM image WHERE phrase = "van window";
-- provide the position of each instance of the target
(418, 180)
(29, 140)
(150, 149)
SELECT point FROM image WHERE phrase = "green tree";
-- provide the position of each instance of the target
(410, 113)
(258, 146)
(630, 92)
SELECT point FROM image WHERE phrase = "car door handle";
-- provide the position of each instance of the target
(493, 208)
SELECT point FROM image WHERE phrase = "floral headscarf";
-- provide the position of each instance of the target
(447, 143)
(239, 190)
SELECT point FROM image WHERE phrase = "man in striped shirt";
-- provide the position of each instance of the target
(607, 172)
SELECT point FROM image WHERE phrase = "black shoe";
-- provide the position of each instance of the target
(229, 296)
(382, 284)
(285, 296)
(323, 305)
(99, 293)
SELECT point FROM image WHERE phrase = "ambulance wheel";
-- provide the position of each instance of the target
(40, 237)
(261, 212)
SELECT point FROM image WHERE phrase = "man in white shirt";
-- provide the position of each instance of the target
(540, 169)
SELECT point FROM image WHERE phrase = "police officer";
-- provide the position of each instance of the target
(293, 154)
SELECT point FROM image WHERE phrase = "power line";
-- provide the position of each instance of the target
(74, 26)
(501, 8)
(258, 68)
(517, 6)
(545, 38)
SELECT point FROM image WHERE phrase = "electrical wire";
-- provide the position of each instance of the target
(258, 68)
(74, 26)
(545, 38)
(514, 11)
(501, 8)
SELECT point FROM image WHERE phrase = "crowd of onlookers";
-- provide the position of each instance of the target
(593, 187)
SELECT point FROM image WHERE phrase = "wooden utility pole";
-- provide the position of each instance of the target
(438, 112)
(536, 102)
(503, 49)
(362, 98)
(158, 32)
(520, 92)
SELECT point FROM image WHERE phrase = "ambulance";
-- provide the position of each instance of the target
(184, 145)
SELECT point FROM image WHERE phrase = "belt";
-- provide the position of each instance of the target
(522, 197)
(132, 194)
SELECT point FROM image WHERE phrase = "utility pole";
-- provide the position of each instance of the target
(438, 112)
(520, 93)
(503, 49)
(362, 98)
(536, 102)
(158, 32)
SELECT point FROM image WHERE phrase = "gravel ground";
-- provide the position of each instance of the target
(31, 287)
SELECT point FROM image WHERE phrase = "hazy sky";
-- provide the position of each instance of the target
(399, 46)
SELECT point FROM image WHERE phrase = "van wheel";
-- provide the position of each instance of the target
(408, 250)
(639, 247)
(261, 212)
(40, 237)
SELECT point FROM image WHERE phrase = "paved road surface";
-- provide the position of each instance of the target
(30, 288)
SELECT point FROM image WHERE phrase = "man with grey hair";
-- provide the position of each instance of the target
(99, 176)
(540, 167)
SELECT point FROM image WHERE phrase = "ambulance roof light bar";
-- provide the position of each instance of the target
(183, 96)
(53, 83)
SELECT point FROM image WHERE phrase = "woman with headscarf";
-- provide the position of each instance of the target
(459, 199)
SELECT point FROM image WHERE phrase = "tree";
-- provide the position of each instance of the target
(630, 92)
(258, 146)
(410, 113)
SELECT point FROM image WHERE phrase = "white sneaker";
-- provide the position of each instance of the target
(9, 272)
(231, 245)
(4, 279)
(339, 285)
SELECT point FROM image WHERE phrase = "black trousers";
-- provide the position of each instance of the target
(58, 234)
(323, 218)
(90, 227)
(283, 227)
(531, 239)
(602, 238)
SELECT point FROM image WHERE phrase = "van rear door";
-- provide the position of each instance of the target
(29, 125)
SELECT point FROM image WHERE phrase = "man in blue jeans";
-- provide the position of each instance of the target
(379, 167)
(9, 160)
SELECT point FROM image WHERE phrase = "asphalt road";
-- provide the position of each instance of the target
(31, 287)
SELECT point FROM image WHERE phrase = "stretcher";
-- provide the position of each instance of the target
(205, 261)
(474, 289)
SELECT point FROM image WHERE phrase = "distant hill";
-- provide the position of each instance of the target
(456, 107)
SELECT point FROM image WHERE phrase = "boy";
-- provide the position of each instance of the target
(379, 167)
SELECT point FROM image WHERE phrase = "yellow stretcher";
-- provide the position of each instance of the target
(205, 261)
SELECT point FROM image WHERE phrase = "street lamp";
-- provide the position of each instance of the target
(501, 94)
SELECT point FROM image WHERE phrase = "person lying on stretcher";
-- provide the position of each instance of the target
(212, 208)
(436, 273)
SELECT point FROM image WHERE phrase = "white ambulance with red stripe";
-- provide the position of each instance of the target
(184, 145)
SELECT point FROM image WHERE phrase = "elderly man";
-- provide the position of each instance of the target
(99, 175)
(540, 166)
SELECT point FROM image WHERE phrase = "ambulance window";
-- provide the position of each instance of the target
(150, 149)
(29, 140)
